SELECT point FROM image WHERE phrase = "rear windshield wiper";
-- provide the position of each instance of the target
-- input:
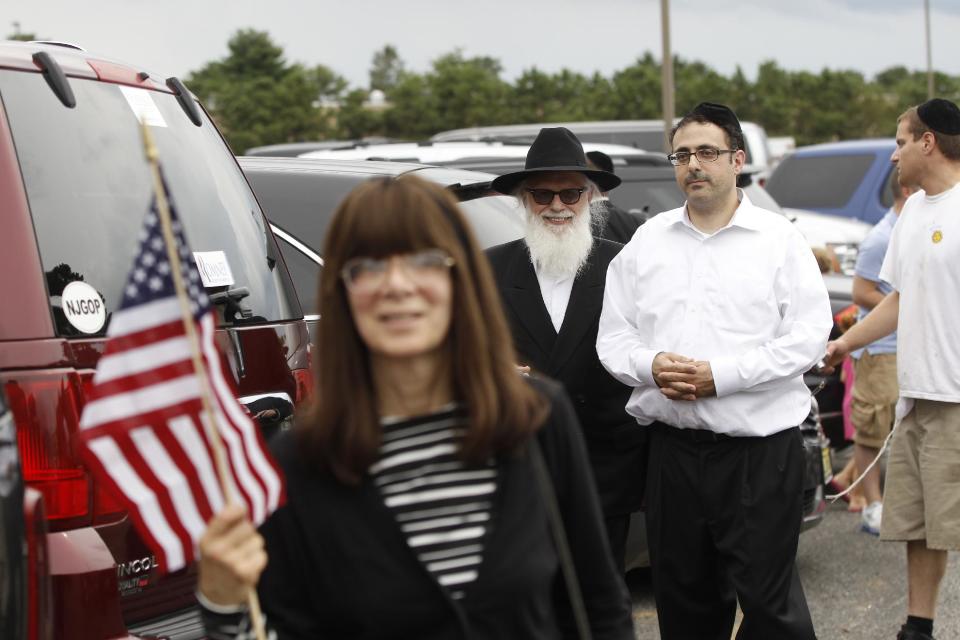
(56, 78)
(230, 299)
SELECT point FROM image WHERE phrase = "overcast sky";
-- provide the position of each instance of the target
(174, 37)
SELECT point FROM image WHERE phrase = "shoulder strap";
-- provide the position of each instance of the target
(560, 540)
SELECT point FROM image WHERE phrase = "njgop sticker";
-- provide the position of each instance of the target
(83, 307)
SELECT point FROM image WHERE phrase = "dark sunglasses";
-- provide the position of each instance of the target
(545, 196)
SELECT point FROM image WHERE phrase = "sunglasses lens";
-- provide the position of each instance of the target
(542, 196)
(545, 196)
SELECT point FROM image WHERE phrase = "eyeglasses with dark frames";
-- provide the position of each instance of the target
(706, 154)
(567, 196)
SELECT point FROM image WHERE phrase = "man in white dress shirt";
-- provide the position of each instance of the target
(712, 313)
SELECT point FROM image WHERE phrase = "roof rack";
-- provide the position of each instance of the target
(59, 43)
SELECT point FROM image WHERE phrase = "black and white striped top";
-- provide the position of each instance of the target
(441, 504)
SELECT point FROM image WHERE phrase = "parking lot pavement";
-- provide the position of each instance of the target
(855, 585)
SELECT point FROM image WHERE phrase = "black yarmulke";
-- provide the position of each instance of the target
(718, 114)
(940, 115)
(601, 161)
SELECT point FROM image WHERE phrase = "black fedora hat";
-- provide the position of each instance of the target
(555, 149)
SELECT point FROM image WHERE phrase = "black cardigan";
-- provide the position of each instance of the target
(339, 566)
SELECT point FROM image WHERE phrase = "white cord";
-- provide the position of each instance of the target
(834, 497)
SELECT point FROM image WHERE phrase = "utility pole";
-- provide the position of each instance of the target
(926, 11)
(666, 72)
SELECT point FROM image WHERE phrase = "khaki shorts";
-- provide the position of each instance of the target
(921, 499)
(875, 394)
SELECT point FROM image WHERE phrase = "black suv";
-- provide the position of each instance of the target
(299, 196)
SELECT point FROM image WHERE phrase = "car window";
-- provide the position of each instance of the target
(495, 219)
(301, 205)
(646, 190)
(818, 182)
(300, 202)
(648, 140)
(761, 197)
(886, 192)
(305, 273)
(602, 138)
(89, 189)
(648, 197)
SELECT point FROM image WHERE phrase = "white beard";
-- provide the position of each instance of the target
(599, 214)
(559, 251)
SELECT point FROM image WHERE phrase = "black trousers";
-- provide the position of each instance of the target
(723, 520)
(617, 529)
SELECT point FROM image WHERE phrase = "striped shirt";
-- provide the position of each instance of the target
(441, 504)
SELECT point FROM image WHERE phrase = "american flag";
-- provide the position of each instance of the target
(143, 427)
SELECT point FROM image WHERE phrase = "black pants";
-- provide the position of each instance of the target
(617, 529)
(723, 520)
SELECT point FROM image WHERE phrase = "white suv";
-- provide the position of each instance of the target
(640, 134)
(446, 152)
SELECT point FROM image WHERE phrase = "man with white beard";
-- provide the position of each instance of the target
(551, 282)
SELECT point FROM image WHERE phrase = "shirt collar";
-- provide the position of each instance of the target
(747, 215)
(543, 277)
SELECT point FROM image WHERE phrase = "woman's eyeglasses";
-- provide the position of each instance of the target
(365, 275)
(707, 154)
(545, 196)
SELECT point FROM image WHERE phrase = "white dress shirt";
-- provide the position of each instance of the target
(748, 298)
(556, 295)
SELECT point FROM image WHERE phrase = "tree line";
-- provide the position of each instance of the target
(257, 97)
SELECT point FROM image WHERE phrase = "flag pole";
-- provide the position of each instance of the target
(210, 424)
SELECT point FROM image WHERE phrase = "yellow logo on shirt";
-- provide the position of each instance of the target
(937, 236)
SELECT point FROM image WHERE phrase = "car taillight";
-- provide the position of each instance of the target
(303, 378)
(46, 407)
(39, 620)
(106, 508)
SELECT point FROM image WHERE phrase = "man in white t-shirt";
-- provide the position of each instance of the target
(922, 500)
(875, 391)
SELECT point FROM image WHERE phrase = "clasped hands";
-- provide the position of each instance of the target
(683, 378)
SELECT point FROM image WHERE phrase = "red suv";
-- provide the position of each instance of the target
(74, 189)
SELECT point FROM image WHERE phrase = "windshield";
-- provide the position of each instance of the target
(647, 191)
(89, 189)
(761, 197)
(301, 206)
(494, 219)
(818, 182)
